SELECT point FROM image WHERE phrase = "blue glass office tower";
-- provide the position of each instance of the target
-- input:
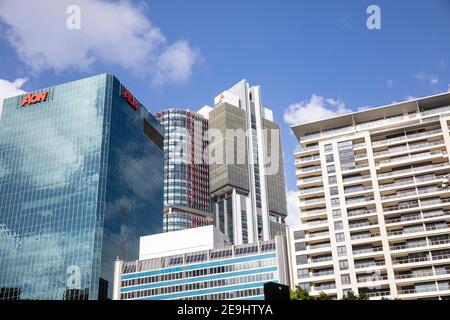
(81, 179)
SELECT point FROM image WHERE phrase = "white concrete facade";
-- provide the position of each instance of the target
(180, 242)
(374, 216)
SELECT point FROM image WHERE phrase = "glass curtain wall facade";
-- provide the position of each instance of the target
(186, 170)
(81, 174)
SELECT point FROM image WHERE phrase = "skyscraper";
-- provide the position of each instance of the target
(81, 176)
(375, 202)
(186, 170)
(246, 166)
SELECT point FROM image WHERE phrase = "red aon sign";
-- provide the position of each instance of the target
(33, 98)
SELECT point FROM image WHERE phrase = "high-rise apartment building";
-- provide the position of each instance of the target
(196, 264)
(375, 213)
(246, 166)
(186, 170)
(81, 179)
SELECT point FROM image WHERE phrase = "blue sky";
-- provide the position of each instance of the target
(315, 56)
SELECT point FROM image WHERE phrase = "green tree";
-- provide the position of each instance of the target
(352, 296)
(323, 296)
(300, 294)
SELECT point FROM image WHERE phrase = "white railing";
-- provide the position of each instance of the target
(364, 236)
(407, 137)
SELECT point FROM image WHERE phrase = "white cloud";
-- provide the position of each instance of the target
(316, 108)
(432, 79)
(410, 97)
(112, 33)
(10, 89)
(293, 218)
(389, 83)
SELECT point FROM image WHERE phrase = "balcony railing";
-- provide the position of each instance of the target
(358, 200)
(360, 212)
(319, 260)
(415, 275)
(409, 246)
(312, 190)
(310, 179)
(364, 236)
(318, 246)
(307, 159)
(378, 293)
(412, 156)
(408, 148)
(363, 224)
(407, 137)
(311, 201)
(411, 170)
(356, 166)
(372, 279)
(369, 264)
(357, 189)
(318, 234)
(368, 250)
(358, 178)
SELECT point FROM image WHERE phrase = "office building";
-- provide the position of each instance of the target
(246, 166)
(375, 213)
(186, 170)
(81, 179)
(196, 264)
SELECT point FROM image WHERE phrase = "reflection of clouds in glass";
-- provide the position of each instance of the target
(47, 274)
(63, 144)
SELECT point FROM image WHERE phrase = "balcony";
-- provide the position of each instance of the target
(358, 200)
(372, 279)
(362, 224)
(407, 137)
(318, 246)
(368, 250)
(369, 264)
(307, 159)
(382, 293)
(354, 167)
(309, 180)
(409, 246)
(317, 235)
(357, 213)
(413, 170)
(411, 157)
(408, 148)
(413, 275)
(308, 202)
(357, 189)
(311, 190)
(323, 288)
(355, 179)
(305, 170)
(320, 260)
(364, 236)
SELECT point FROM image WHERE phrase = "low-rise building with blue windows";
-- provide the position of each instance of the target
(197, 265)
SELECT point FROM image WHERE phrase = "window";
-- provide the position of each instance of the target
(335, 202)
(328, 148)
(342, 251)
(304, 285)
(302, 259)
(337, 213)
(329, 158)
(334, 191)
(299, 235)
(343, 264)
(302, 273)
(332, 180)
(345, 279)
(338, 225)
(300, 246)
(331, 169)
(340, 237)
